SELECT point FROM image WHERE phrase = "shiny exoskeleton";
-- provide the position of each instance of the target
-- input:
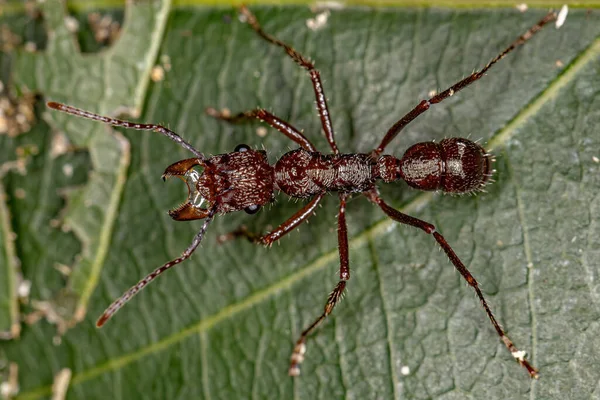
(244, 180)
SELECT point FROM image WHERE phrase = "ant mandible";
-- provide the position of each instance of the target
(244, 180)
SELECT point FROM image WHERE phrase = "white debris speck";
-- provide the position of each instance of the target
(59, 145)
(261, 131)
(574, 239)
(405, 370)
(432, 93)
(562, 16)
(389, 228)
(5, 390)
(10, 387)
(72, 24)
(522, 7)
(302, 349)
(24, 289)
(519, 355)
(226, 112)
(65, 270)
(559, 64)
(61, 384)
(319, 21)
(157, 74)
(530, 265)
(595, 159)
(30, 47)
(67, 170)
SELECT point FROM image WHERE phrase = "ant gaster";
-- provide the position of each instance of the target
(244, 180)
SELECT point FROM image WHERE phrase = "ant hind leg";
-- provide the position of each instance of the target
(438, 98)
(428, 228)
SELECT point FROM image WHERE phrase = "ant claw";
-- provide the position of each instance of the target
(297, 358)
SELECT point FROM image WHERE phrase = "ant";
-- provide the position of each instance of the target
(244, 180)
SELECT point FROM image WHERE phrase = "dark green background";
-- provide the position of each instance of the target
(222, 325)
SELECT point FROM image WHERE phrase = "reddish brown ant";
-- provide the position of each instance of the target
(244, 180)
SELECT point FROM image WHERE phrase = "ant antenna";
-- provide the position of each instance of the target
(126, 124)
(120, 302)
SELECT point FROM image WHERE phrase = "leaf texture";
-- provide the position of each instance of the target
(222, 324)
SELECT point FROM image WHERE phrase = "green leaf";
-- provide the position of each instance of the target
(223, 323)
(125, 68)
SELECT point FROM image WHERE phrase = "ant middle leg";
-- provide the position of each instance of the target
(286, 227)
(425, 104)
(334, 297)
(428, 228)
(315, 76)
(265, 116)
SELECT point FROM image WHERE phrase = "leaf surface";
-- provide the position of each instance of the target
(222, 324)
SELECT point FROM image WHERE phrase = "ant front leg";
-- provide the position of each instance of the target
(265, 116)
(402, 218)
(334, 296)
(315, 76)
(289, 225)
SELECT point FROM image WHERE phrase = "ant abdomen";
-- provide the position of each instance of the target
(454, 165)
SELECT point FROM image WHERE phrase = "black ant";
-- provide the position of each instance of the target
(244, 180)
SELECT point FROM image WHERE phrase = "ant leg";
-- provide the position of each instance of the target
(120, 302)
(334, 297)
(424, 105)
(289, 225)
(397, 216)
(306, 64)
(126, 124)
(265, 116)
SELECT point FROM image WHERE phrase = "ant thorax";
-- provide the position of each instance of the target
(301, 173)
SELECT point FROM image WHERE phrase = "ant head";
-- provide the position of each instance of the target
(455, 165)
(242, 180)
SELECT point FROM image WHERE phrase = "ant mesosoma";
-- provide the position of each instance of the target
(244, 180)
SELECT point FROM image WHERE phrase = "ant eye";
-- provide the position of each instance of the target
(253, 209)
(242, 147)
